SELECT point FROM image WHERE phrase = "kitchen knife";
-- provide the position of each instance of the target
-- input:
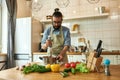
(99, 45)
(98, 48)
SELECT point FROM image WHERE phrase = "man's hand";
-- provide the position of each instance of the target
(48, 43)
(60, 57)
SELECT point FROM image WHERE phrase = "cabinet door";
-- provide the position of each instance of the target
(21, 62)
(115, 59)
(112, 58)
(74, 58)
(118, 60)
(36, 58)
(70, 58)
(77, 58)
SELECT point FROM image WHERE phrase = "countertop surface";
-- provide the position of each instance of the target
(3, 54)
(3, 58)
(13, 74)
(78, 53)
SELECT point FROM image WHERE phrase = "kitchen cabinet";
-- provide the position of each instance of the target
(74, 58)
(21, 62)
(114, 59)
(27, 39)
(71, 58)
(36, 58)
(23, 38)
(3, 58)
(118, 59)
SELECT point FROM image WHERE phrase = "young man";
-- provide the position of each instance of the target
(60, 36)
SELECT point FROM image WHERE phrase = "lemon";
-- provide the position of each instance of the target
(48, 66)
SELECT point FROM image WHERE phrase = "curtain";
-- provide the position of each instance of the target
(12, 9)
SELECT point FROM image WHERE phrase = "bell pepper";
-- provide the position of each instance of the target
(55, 67)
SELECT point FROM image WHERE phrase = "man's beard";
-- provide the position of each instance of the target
(56, 28)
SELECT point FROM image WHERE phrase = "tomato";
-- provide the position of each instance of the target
(67, 65)
(73, 65)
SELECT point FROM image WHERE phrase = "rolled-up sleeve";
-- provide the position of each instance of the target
(67, 38)
(45, 36)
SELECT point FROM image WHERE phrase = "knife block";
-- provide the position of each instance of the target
(94, 63)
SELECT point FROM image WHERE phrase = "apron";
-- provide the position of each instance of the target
(58, 44)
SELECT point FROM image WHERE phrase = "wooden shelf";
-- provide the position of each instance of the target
(88, 16)
(71, 32)
(74, 32)
(80, 17)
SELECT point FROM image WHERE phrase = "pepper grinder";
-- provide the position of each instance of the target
(107, 70)
(49, 49)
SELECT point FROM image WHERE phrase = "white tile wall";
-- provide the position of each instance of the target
(105, 28)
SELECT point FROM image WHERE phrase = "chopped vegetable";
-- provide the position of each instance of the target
(73, 70)
(35, 68)
(67, 70)
(82, 68)
(64, 74)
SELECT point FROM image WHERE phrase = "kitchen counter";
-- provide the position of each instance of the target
(3, 57)
(69, 53)
(13, 74)
(78, 53)
(3, 54)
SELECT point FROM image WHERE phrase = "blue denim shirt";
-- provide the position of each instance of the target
(66, 35)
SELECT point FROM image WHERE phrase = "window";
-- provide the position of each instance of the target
(0, 27)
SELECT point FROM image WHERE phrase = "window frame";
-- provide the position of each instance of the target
(0, 25)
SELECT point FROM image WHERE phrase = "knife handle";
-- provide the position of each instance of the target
(99, 45)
